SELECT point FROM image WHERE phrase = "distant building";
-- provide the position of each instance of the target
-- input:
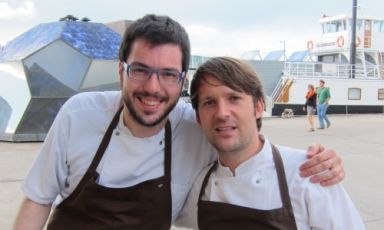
(42, 68)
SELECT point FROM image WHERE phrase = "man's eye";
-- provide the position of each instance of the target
(169, 74)
(139, 70)
(208, 103)
(234, 98)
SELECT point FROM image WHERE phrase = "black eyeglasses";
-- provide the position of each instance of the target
(143, 73)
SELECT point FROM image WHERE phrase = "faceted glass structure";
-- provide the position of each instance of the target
(42, 68)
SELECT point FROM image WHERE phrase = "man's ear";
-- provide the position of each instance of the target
(120, 69)
(197, 117)
(259, 108)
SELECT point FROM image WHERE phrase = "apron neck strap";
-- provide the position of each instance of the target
(107, 137)
(168, 151)
(104, 143)
(283, 186)
(205, 181)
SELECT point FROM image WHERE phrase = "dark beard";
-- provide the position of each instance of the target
(140, 120)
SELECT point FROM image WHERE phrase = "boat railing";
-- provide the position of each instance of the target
(329, 70)
(278, 88)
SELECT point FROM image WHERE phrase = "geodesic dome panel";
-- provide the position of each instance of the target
(101, 75)
(31, 41)
(5, 114)
(64, 66)
(39, 115)
(94, 40)
(14, 93)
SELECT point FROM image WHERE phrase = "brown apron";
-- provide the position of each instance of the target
(223, 216)
(147, 205)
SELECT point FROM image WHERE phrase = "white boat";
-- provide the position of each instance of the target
(361, 92)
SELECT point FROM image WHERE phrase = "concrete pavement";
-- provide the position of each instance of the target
(359, 139)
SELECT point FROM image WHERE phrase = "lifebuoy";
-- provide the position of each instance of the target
(358, 41)
(340, 41)
(310, 45)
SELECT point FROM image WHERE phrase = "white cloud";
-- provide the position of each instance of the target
(211, 41)
(23, 11)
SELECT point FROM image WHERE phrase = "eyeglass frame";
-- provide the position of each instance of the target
(127, 67)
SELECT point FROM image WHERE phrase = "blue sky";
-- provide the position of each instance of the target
(215, 27)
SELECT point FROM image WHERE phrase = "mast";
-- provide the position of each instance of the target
(352, 56)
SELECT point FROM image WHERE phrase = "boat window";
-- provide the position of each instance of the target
(380, 95)
(354, 94)
(369, 58)
(378, 26)
(333, 58)
(334, 26)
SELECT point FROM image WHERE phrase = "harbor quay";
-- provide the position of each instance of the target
(357, 138)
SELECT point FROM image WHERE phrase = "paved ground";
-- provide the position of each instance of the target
(358, 138)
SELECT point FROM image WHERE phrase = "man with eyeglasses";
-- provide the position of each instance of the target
(127, 159)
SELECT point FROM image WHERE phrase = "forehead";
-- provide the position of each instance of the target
(210, 86)
(167, 54)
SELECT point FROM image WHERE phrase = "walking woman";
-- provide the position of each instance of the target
(310, 106)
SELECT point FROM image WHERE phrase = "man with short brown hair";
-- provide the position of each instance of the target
(253, 184)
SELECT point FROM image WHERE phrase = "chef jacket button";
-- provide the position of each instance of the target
(216, 183)
(117, 133)
(257, 181)
(161, 142)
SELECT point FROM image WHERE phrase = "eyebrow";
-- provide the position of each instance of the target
(139, 64)
(146, 66)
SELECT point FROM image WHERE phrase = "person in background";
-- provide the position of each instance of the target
(323, 97)
(310, 106)
(253, 184)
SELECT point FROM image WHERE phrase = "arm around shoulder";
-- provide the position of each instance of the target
(32, 215)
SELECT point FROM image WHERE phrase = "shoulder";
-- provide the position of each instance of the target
(86, 110)
(292, 156)
(91, 104)
(292, 160)
(93, 100)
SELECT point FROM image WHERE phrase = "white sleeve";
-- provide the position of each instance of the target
(49, 171)
(328, 208)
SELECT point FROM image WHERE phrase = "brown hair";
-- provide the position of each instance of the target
(156, 30)
(233, 73)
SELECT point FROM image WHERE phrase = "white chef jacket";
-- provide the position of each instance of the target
(76, 134)
(255, 185)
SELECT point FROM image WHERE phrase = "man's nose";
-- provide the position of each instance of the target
(222, 110)
(152, 84)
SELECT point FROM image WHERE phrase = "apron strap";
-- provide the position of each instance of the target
(283, 186)
(205, 181)
(168, 151)
(104, 143)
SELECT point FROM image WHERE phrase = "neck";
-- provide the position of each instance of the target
(139, 130)
(233, 159)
